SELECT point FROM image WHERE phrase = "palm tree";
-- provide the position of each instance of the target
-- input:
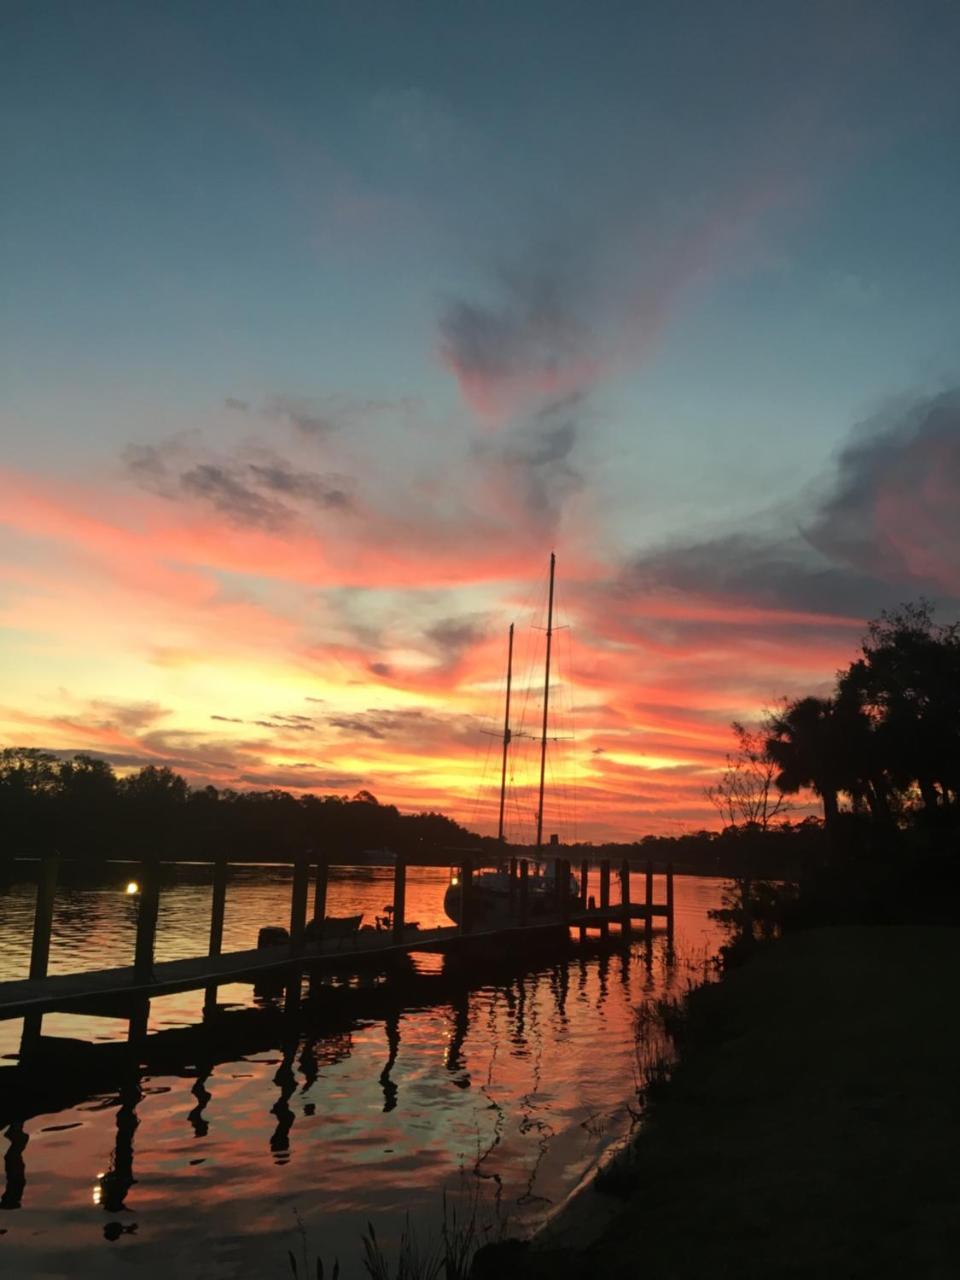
(804, 743)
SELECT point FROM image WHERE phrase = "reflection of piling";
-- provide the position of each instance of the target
(604, 895)
(670, 902)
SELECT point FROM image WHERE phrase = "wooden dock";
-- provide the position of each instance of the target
(116, 990)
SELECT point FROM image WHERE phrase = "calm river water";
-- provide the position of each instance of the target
(507, 1087)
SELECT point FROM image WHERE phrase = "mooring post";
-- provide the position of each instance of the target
(298, 901)
(563, 889)
(584, 880)
(605, 895)
(399, 898)
(625, 896)
(466, 895)
(218, 906)
(670, 899)
(320, 894)
(43, 915)
(513, 888)
(147, 910)
(649, 899)
(524, 890)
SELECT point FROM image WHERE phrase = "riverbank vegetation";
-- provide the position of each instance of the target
(809, 1126)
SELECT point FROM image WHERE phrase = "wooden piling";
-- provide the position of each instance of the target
(43, 916)
(563, 888)
(298, 902)
(466, 895)
(604, 895)
(648, 922)
(584, 880)
(147, 910)
(320, 894)
(524, 890)
(399, 898)
(625, 896)
(513, 888)
(218, 906)
(670, 899)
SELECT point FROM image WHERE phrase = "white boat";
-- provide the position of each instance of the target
(495, 900)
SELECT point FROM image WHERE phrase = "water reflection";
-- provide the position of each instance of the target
(15, 1169)
(113, 1186)
(354, 1103)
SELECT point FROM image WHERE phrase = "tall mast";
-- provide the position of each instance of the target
(546, 704)
(506, 735)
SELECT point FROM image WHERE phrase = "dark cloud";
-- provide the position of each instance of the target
(255, 488)
(540, 457)
(240, 406)
(418, 727)
(382, 669)
(895, 508)
(451, 637)
(227, 719)
(529, 345)
(302, 414)
(886, 526)
(308, 779)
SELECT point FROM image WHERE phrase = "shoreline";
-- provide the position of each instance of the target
(809, 1128)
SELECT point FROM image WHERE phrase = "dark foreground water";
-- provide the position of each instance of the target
(502, 1086)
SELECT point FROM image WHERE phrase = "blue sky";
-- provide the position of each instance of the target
(649, 264)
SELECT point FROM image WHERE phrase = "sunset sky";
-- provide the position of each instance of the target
(323, 324)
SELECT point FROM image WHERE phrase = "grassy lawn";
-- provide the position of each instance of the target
(812, 1126)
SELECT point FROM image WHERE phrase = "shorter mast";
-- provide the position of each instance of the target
(506, 735)
(546, 704)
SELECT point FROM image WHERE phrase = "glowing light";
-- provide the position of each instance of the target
(454, 879)
(132, 887)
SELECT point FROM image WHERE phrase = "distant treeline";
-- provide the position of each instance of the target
(82, 809)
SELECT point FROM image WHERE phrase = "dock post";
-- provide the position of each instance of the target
(649, 900)
(43, 916)
(524, 890)
(584, 882)
(625, 897)
(563, 889)
(513, 888)
(298, 902)
(605, 895)
(320, 894)
(670, 900)
(399, 898)
(147, 910)
(466, 895)
(218, 907)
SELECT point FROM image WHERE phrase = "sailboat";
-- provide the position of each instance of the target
(493, 895)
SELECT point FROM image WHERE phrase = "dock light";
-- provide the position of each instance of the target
(132, 887)
(454, 879)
